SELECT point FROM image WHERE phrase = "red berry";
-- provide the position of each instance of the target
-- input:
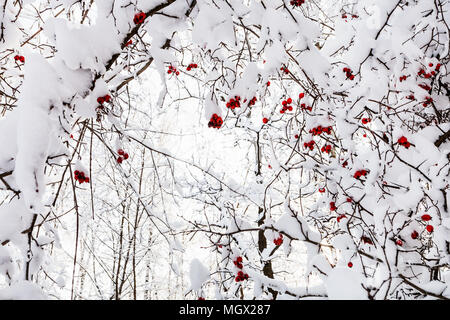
(430, 228)
(350, 264)
(265, 120)
(125, 156)
(399, 242)
(119, 160)
(426, 217)
(120, 152)
(415, 234)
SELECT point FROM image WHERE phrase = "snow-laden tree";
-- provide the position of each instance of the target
(304, 145)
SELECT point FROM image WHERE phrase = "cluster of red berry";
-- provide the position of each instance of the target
(278, 241)
(366, 240)
(424, 86)
(427, 217)
(341, 217)
(215, 121)
(428, 100)
(403, 78)
(333, 206)
(251, 102)
(366, 120)
(234, 102)
(319, 129)
(286, 105)
(19, 58)
(285, 70)
(297, 3)
(348, 73)
(403, 141)
(304, 107)
(139, 17)
(174, 70)
(358, 174)
(238, 262)
(326, 148)
(191, 66)
(428, 75)
(309, 145)
(106, 98)
(344, 16)
(80, 177)
(241, 276)
(122, 155)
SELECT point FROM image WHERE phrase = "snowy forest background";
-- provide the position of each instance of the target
(224, 149)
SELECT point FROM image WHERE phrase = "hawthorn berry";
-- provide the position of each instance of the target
(366, 240)
(234, 103)
(430, 228)
(414, 234)
(360, 173)
(238, 262)
(80, 177)
(215, 121)
(173, 70)
(366, 120)
(19, 58)
(340, 217)
(403, 141)
(321, 190)
(326, 148)
(285, 70)
(252, 101)
(191, 66)
(139, 17)
(119, 160)
(399, 242)
(426, 217)
(278, 241)
(103, 99)
(348, 73)
(309, 145)
(297, 3)
(350, 264)
(265, 120)
(332, 206)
